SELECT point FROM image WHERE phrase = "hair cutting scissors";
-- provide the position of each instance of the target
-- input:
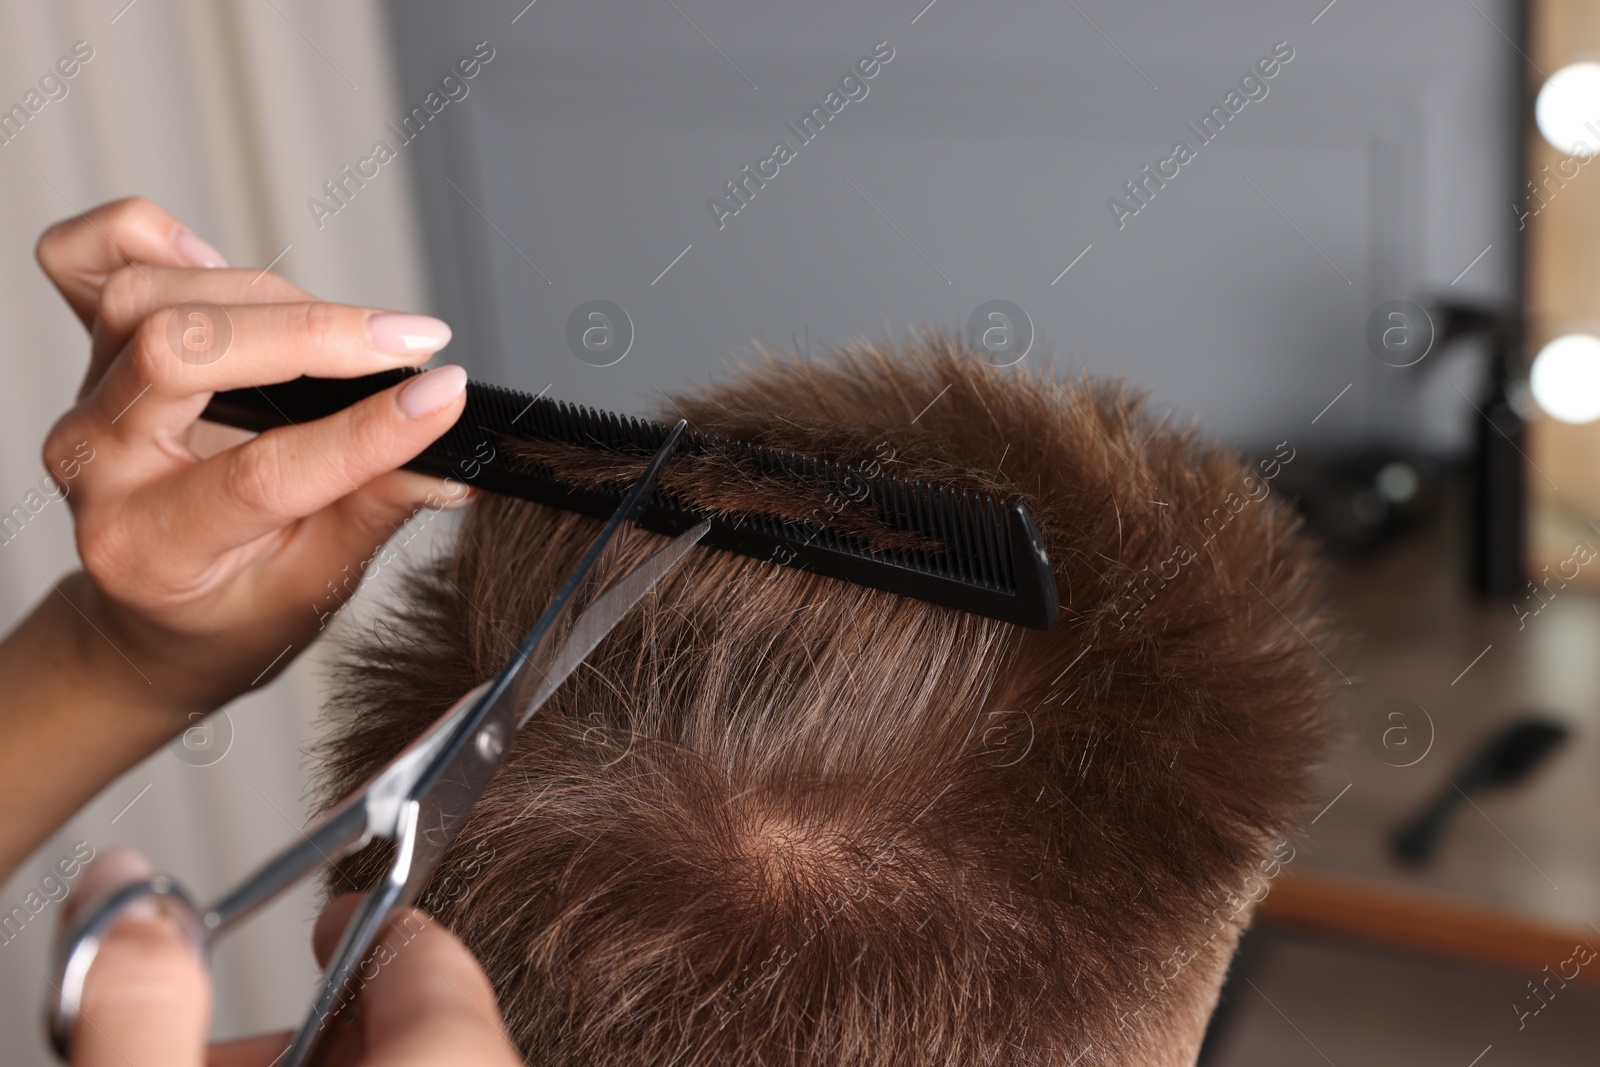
(420, 801)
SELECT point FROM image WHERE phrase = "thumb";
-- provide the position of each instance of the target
(147, 999)
(357, 526)
(422, 998)
(379, 507)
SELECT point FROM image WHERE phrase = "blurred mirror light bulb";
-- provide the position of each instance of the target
(1566, 378)
(1568, 109)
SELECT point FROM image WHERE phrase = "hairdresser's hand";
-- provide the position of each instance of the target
(207, 572)
(147, 1000)
(211, 558)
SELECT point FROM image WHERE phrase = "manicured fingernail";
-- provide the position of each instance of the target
(404, 334)
(432, 390)
(197, 251)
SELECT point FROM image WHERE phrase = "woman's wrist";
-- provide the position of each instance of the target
(134, 670)
(71, 720)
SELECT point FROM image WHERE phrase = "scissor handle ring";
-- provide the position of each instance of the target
(80, 944)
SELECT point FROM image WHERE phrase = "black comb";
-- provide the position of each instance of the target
(971, 551)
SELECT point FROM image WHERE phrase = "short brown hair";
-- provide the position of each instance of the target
(781, 819)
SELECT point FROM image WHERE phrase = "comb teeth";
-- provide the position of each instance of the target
(974, 552)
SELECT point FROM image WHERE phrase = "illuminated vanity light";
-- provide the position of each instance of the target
(1566, 378)
(1568, 109)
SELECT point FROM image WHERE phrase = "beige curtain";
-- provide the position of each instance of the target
(232, 115)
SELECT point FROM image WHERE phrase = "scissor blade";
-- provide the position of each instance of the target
(607, 610)
(534, 649)
(432, 800)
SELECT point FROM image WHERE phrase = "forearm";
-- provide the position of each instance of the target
(72, 718)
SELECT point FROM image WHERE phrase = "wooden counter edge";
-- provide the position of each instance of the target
(1425, 922)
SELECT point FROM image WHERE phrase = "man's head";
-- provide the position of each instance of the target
(780, 819)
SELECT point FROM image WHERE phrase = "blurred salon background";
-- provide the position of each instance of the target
(1379, 252)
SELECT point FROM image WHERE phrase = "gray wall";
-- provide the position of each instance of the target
(979, 165)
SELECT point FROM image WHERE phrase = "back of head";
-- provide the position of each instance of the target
(780, 819)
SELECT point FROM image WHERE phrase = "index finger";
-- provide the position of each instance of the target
(78, 254)
(249, 345)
